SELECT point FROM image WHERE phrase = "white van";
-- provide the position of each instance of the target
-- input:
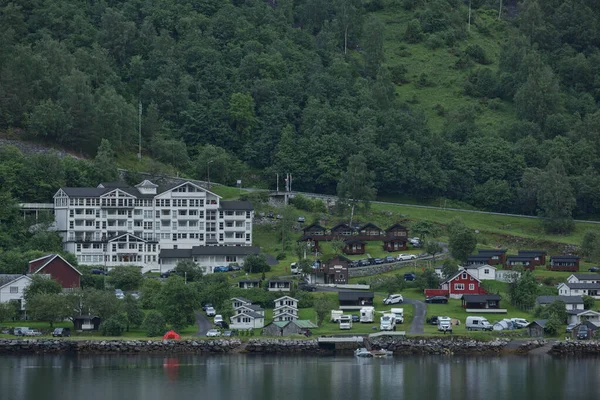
(346, 322)
(399, 313)
(294, 268)
(388, 322)
(367, 314)
(335, 315)
(444, 324)
(478, 324)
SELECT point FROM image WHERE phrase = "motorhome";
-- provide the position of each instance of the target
(478, 324)
(444, 324)
(294, 268)
(388, 322)
(335, 315)
(367, 314)
(399, 313)
(346, 322)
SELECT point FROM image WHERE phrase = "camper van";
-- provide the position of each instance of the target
(294, 268)
(367, 314)
(388, 322)
(335, 315)
(478, 324)
(345, 322)
(444, 324)
(399, 313)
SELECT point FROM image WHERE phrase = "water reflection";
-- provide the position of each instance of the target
(286, 378)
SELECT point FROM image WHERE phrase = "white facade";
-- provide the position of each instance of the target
(14, 288)
(247, 320)
(587, 315)
(286, 309)
(583, 278)
(579, 289)
(482, 272)
(114, 225)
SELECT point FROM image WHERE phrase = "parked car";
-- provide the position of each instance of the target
(307, 287)
(210, 311)
(230, 333)
(389, 259)
(135, 295)
(61, 332)
(20, 331)
(235, 268)
(570, 328)
(582, 333)
(119, 293)
(433, 320)
(594, 269)
(98, 271)
(33, 332)
(301, 219)
(393, 299)
(220, 268)
(410, 276)
(213, 333)
(354, 264)
(279, 216)
(364, 262)
(270, 215)
(355, 318)
(406, 257)
(165, 274)
(218, 319)
(378, 261)
(207, 305)
(519, 323)
(437, 299)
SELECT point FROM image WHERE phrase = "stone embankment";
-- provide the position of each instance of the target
(285, 346)
(566, 348)
(117, 346)
(433, 346)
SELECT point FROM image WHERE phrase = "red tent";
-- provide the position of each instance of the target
(172, 335)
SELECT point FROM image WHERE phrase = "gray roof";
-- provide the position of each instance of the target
(249, 281)
(565, 299)
(84, 192)
(564, 258)
(492, 251)
(350, 296)
(475, 266)
(236, 205)
(225, 250)
(532, 252)
(245, 300)
(481, 298)
(254, 307)
(583, 285)
(271, 260)
(587, 277)
(110, 186)
(252, 314)
(175, 253)
(7, 278)
(540, 322)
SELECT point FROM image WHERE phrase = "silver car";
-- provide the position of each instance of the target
(213, 333)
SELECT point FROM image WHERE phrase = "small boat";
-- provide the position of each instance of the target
(362, 352)
(381, 353)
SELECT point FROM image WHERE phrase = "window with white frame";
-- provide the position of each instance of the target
(471, 286)
(459, 286)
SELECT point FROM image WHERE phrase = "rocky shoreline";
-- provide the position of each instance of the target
(398, 345)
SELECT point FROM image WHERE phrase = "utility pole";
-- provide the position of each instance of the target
(140, 130)
(277, 183)
(469, 29)
(500, 11)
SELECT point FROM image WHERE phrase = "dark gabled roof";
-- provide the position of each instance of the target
(565, 299)
(224, 250)
(493, 251)
(113, 185)
(86, 317)
(396, 226)
(519, 258)
(532, 252)
(253, 307)
(369, 225)
(478, 258)
(315, 225)
(305, 238)
(481, 298)
(8, 278)
(590, 325)
(249, 281)
(236, 205)
(587, 277)
(564, 258)
(395, 239)
(83, 192)
(351, 241)
(276, 280)
(540, 322)
(350, 296)
(175, 253)
(582, 285)
(243, 299)
(250, 314)
(342, 225)
(339, 257)
(271, 260)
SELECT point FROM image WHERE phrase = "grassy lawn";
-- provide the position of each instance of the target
(226, 192)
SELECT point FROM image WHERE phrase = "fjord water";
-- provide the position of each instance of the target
(295, 377)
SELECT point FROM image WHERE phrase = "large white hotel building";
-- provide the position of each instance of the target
(153, 226)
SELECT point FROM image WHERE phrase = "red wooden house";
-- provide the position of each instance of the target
(396, 238)
(371, 231)
(354, 246)
(58, 268)
(564, 263)
(462, 283)
(539, 256)
(495, 256)
(341, 230)
(527, 262)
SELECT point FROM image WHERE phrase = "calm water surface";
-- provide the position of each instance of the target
(287, 377)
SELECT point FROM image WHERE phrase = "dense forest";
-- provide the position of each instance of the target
(299, 86)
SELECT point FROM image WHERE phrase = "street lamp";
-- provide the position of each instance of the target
(208, 172)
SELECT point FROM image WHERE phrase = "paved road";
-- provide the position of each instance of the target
(418, 322)
(204, 324)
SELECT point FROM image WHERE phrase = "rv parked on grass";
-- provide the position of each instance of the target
(388, 322)
(478, 324)
(345, 322)
(367, 314)
(335, 315)
(444, 324)
(399, 313)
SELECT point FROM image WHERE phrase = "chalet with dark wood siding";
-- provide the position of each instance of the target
(342, 230)
(526, 262)
(539, 256)
(58, 268)
(397, 230)
(396, 238)
(354, 246)
(314, 230)
(481, 301)
(371, 230)
(564, 263)
(335, 270)
(497, 256)
(477, 260)
(310, 241)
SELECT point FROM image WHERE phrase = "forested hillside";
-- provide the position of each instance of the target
(500, 111)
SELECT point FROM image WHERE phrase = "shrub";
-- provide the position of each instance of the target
(434, 42)
(281, 256)
(114, 326)
(481, 83)
(154, 324)
(414, 32)
(477, 54)
(398, 74)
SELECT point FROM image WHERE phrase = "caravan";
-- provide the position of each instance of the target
(388, 322)
(444, 324)
(345, 322)
(367, 314)
(399, 313)
(335, 315)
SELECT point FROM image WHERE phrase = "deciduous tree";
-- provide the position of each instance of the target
(356, 185)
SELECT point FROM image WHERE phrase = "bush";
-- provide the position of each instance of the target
(256, 263)
(114, 326)
(398, 74)
(477, 54)
(256, 197)
(154, 324)
(414, 32)
(434, 42)
(281, 256)
(481, 83)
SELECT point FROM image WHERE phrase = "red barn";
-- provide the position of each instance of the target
(462, 283)
(58, 268)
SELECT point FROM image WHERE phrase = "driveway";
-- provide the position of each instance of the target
(204, 324)
(418, 324)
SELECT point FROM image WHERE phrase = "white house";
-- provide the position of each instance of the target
(238, 302)
(482, 272)
(583, 278)
(286, 309)
(249, 283)
(578, 316)
(278, 285)
(572, 303)
(245, 319)
(579, 289)
(12, 288)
